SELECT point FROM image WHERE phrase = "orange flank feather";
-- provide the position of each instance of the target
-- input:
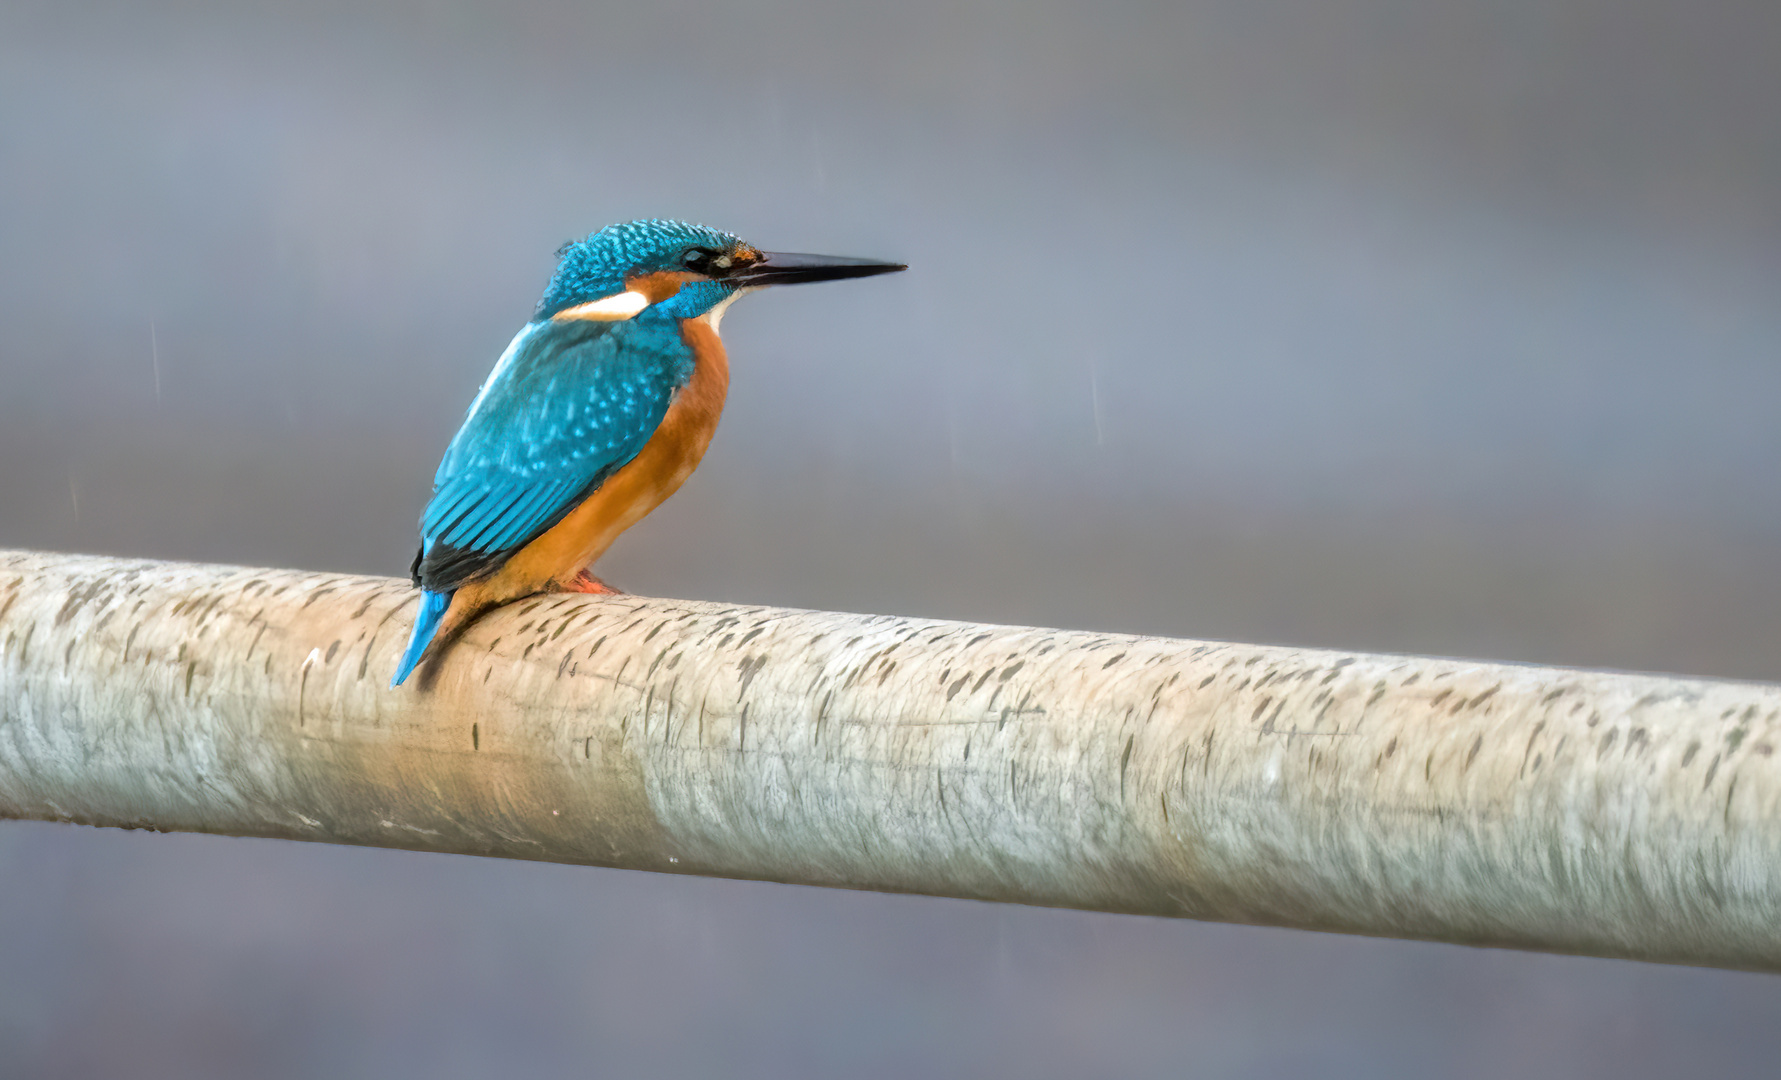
(556, 559)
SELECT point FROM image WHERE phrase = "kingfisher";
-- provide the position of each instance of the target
(598, 410)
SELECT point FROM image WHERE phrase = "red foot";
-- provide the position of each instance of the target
(585, 582)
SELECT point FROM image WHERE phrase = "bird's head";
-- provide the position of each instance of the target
(675, 270)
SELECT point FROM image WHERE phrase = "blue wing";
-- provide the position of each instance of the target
(568, 405)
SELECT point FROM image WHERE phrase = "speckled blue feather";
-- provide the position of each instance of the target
(569, 404)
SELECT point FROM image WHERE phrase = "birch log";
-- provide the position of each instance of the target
(1490, 804)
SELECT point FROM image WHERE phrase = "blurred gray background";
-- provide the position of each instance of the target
(1442, 327)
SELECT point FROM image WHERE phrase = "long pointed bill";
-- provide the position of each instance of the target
(782, 268)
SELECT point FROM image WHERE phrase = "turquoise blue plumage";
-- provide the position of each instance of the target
(569, 404)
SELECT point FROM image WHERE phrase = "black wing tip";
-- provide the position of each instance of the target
(445, 568)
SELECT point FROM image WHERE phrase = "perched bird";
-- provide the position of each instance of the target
(599, 409)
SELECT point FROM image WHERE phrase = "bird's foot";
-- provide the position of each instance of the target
(585, 582)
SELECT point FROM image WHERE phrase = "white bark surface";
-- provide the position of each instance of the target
(1606, 813)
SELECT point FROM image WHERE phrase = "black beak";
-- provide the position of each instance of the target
(781, 268)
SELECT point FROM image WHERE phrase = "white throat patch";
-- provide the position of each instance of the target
(715, 316)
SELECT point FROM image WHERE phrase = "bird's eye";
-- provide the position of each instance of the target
(695, 258)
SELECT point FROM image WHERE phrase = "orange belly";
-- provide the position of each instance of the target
(672, 453)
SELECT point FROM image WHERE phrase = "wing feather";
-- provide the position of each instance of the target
(567, 406)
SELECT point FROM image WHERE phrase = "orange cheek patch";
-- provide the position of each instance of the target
(641, 291)
(661, 285)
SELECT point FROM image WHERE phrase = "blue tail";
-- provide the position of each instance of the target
(426, 624)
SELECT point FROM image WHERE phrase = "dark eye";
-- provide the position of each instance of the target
(696, 258)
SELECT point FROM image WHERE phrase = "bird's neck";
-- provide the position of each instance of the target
(701, 401)
(715, 316)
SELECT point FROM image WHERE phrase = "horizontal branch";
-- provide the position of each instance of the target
(1613, 814)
